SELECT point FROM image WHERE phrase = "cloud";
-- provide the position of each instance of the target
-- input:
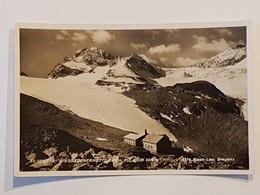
(59, 37)
(101, 36)
(62, 35)
(65, 32)
(179, 62)
(79, 36)
(160, 49)
(147, 59)
(75, 36)
(203, 45)
(138, 46)
(182, 62)
(224, 31)
(166, 61)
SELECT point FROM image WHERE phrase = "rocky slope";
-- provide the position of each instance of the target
(61, 70)
(200, 116)
(47, 131)
(143, 69)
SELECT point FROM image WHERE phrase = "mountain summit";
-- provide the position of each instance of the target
(137, 64)
(107, 70)
(93, 56)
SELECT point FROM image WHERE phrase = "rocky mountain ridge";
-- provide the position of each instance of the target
(88, 59)
(226, 58)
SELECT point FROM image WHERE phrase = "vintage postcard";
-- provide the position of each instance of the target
(133, 99)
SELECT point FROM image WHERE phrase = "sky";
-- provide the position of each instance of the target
(42, 49)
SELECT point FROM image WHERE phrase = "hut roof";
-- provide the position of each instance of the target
(133, 136)
(152, 138)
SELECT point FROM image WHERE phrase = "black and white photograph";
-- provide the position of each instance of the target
(132, 100)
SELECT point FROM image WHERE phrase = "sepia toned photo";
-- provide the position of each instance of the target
(132, 100)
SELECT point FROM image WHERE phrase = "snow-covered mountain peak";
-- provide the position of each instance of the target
(83, 61)
(226, 58)
(92, 51)
(86, 60)
(93, 56)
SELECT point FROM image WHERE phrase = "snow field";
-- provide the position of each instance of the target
(91, 101)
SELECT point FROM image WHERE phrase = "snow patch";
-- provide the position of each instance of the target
(120, 73)
(187, 149)
(167, 117)
(205, 96)
(186, 110)
(101, 139)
